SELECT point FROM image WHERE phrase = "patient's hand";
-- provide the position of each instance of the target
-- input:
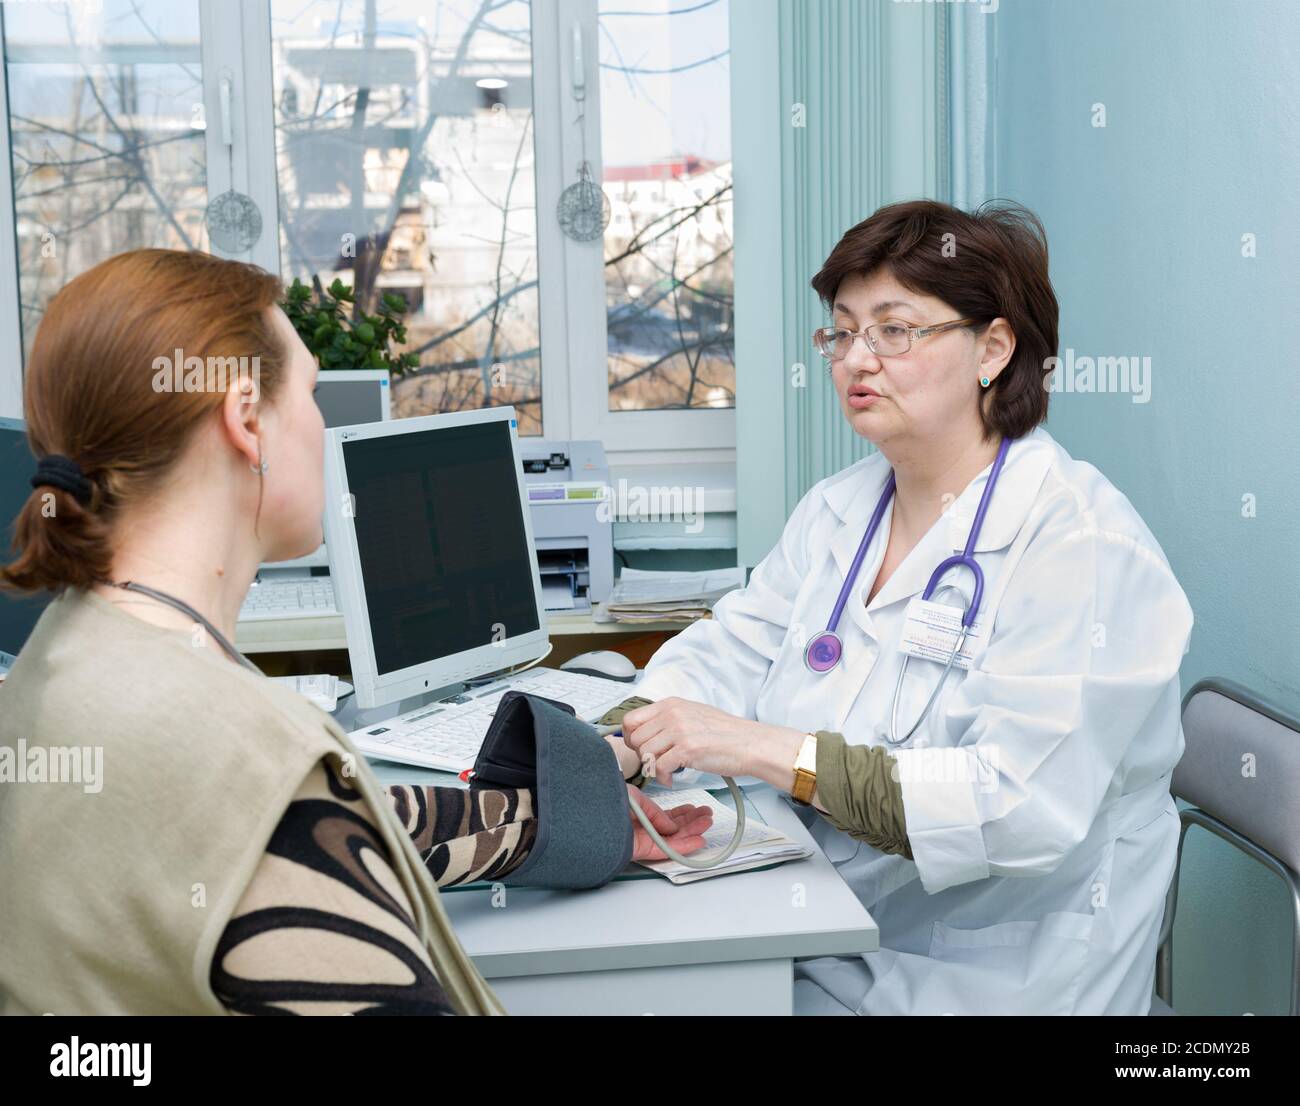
(682, 827)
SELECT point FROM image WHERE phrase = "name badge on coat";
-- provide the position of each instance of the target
(931, 631)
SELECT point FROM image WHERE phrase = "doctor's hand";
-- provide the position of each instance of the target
(679, 733)
(682, 827)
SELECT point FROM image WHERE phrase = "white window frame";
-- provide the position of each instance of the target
(235, 43)
(11, 339)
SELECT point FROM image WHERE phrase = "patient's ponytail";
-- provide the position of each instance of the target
(105, 433)
(63, 542)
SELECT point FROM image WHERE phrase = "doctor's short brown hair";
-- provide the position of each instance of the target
(987, 264)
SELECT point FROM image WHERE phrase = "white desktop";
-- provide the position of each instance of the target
(302, 588)
(436, 575)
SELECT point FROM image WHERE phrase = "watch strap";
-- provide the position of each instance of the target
(805, 771)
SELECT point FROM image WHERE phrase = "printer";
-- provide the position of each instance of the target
(572, 509)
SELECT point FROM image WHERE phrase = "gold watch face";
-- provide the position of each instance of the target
(807, 759)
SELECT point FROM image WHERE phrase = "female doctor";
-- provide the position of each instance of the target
(962, 654)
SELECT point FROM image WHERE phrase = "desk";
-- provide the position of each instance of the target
(292, 635)
(298, 646)
(643, 946)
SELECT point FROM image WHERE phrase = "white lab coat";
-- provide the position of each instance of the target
(1036, 794)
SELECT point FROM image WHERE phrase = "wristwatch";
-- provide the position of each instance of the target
(805, 771)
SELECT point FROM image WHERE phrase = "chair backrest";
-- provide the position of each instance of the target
(1242, 766)
(1241, 773)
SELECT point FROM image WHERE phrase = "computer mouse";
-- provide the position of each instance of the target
(603, 662)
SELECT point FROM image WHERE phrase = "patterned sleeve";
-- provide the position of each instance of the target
(325, 926)
(467, 835)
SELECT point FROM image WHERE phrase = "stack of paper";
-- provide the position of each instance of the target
(322, 689)
(643, 596)
(761, 844)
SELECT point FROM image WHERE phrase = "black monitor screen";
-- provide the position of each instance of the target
(440, 534)
(350, 402)
(18, 612)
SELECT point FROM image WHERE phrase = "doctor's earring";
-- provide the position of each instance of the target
(984, 381)
(261, 466)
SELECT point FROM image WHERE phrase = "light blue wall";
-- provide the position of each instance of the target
(1145, 219)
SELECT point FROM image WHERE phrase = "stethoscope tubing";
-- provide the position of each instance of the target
(858, 557)
(690, 861)
(966, 559)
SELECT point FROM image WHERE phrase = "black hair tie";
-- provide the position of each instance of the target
(56, 471)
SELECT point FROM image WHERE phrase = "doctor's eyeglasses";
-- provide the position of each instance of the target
(883, 339)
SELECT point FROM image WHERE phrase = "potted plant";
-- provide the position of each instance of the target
(339, 341)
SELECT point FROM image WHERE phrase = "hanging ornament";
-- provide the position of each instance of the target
(234, 222)
(583, 210)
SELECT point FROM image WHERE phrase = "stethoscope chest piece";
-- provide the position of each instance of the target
(823, 652)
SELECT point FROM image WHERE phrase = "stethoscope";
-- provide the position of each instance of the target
(824, 651)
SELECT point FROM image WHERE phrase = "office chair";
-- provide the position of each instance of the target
(1258, 813)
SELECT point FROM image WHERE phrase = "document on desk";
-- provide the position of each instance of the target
(761, 844)
(652, 596)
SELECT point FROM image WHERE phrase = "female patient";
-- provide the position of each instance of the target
(240, 856)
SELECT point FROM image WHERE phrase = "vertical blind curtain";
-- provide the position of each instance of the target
(839, 106)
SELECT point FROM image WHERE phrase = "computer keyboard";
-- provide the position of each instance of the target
(447, 735)
(299, 597)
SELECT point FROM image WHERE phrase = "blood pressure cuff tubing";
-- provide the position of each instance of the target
(584, 831)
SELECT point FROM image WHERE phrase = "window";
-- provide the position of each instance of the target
(404, 144)
(666, 151)
(106, 138)
(417, 148)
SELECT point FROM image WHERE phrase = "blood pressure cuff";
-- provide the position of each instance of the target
(584, 830)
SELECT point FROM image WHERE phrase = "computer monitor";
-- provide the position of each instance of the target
(347, 397)
(431, 550)
(18, 612)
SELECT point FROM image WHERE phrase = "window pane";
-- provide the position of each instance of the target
(666, 146)
(106, 136)
(405, 160)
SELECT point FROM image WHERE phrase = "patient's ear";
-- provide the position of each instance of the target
(242, 419)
